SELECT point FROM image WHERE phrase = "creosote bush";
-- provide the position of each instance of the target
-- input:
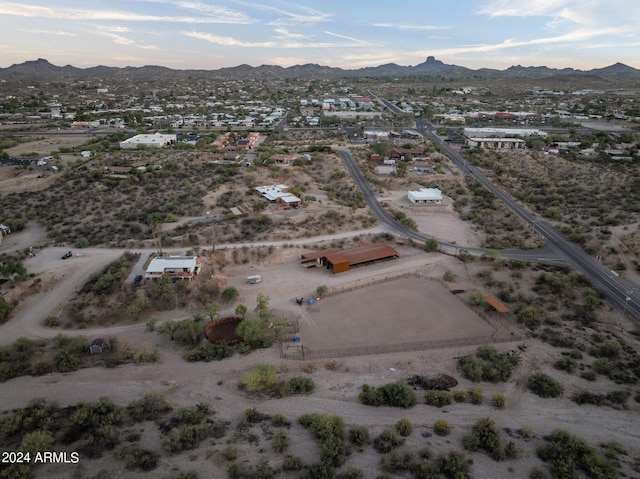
(437, 398)
(442, 427)
(404, 427)
(544, 385)
(487, 365)
(397, 394)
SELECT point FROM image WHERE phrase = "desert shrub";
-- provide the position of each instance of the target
(567, 453)
(487, 365)
(40, 368)
(404, 427)
(52, 322)
(588, 375)
(301, 385)
(566, 364)
(37, 441)
(607, 349)
(484, 436)
(184, 438)
(441, 427)
(351, 473)
(618, 397)
(146, 355)
(229, 294)
(279, 420)
(209, 352)
(499, 401)
(397, 394)
(230, 453)
(329, 432)
(291, 463)
(359, 435)
(475, 396)
(397, 461)
(437, 398)
(511, 451)
(460, 396)
(449, 276)
(149, 408)
(253, 416)
(537, 473)
(66, 361)
(321, 470)
(136, 457)
(453, 465)
(280, 441)
(262, 377)
(586, 397)
(387, 441)
(544, 385)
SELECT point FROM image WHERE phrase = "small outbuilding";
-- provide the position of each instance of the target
(96, 346)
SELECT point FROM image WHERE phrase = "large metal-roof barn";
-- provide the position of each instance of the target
(339, 261)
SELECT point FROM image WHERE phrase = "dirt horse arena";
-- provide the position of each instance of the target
(404, 310)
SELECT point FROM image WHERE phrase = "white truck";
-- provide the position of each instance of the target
(253, 279)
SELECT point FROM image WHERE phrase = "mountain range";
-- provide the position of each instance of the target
(42, 69)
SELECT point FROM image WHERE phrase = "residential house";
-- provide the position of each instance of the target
(180, 267)
(279, 195)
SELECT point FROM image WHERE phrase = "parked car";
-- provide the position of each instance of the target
(137, 279)
(68, 254)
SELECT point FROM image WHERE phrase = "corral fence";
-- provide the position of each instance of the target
(301, 352)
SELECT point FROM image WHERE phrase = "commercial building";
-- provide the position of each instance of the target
(426, 196)
(157, 140)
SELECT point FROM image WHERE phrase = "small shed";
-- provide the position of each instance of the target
(96, 346)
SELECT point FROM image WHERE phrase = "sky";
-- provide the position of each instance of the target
(212, 34)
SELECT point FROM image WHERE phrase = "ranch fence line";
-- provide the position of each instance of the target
(300, 352)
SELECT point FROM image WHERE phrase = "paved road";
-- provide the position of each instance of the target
(623, 294)
(546, 254)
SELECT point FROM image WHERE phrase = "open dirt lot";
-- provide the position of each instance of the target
(403, 310)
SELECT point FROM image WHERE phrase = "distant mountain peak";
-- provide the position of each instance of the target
(42, 68)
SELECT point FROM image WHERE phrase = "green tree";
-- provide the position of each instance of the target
(322, 289)
(169, 327)
(262, 306)
(230, 294)
(211, 310)
(241, 310)
(253, 332)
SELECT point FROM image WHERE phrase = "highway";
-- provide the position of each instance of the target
(621, 293)
(616, 290)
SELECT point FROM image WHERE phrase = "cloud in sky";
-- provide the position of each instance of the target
(216, 33)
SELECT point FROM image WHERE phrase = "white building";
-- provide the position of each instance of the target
(183, 267)
(426, 196)
(157, 140)
(502, 132)
(279, 194)
(497, 143)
